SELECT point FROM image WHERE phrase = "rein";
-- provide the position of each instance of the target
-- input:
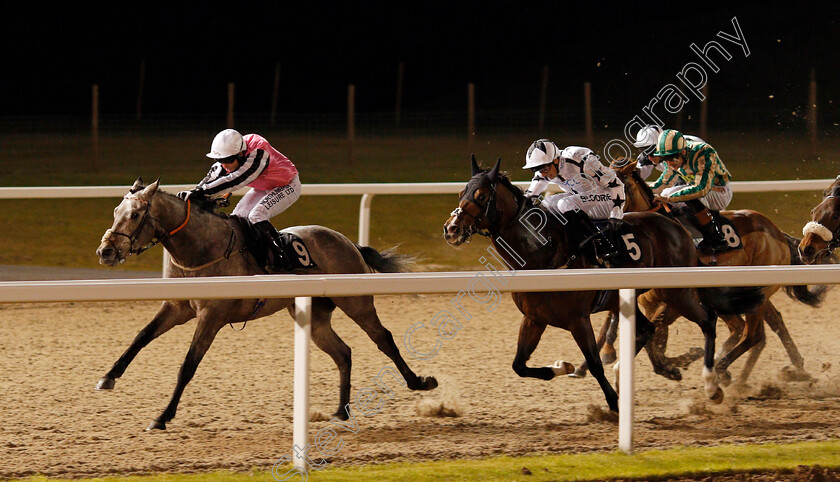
(136, 233)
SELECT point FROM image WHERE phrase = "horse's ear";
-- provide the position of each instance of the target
(150, 190)
(138, 185)
(474, 165)
(494, 173)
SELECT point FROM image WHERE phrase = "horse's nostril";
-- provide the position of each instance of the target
(106, 252)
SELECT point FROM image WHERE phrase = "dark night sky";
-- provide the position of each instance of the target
(53, 54)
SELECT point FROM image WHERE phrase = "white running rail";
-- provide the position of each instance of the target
(304, 287)
(367, 191)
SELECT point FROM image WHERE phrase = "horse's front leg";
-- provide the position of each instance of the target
(530, 332)
(606, 344)
(208, 326)
(170, 314)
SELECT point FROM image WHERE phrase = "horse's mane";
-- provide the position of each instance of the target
(208, 207)
(642, 185)
(517, 192)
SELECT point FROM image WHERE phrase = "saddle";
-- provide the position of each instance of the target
(730, 232)
(293, 255)
(623, 238)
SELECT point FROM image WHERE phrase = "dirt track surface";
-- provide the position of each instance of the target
(237, 412)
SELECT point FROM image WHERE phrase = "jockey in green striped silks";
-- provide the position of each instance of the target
(703, 183)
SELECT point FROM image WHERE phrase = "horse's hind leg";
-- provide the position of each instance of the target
(663, 365)
(684, 301)
(328, 340)
(607, 337)
(753, 335)
(777, 324)
(361, 310)
(736, 326)
(170, 314)
(203, 337)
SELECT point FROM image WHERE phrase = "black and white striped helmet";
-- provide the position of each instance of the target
(541, 152)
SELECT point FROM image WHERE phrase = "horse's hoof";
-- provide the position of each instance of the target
(696, 353)
(793, 374)
(608, 357)
(341, 415)
(724, 378)
(156, 425)
(717, 398)
(562, 367)
(106, 383)
(579, 373)
(428, 383)
(670, 373)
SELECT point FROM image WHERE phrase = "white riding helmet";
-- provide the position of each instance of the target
(541, 152)
(647, 136)
(227, 143)
(576, 153)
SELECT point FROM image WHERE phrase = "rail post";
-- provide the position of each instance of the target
(300, 427)
(626, 355)
(364, 220)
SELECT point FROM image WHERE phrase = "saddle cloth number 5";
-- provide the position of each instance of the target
(633, 248)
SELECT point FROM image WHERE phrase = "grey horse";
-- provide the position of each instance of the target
(204, 243)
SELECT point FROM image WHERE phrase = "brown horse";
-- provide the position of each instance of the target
(492, 206)
(763, 244)
(211, 244)
(822, 233)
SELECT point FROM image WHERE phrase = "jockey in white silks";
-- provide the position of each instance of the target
(592, 191)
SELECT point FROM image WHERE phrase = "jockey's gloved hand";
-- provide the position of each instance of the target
(196, 194)
(613, 225)
(534, 200)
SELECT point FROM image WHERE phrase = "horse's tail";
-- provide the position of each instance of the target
(731, 300)
(388, 261)
(815, 295)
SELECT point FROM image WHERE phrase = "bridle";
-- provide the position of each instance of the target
(493, 216)
(132, 238)
(834, 242)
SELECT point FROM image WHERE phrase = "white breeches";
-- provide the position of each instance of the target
(597, 203)
(717, 199)
(257, 205)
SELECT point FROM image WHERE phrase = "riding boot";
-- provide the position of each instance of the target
(713, 238)
(584, 230)
(274, 260)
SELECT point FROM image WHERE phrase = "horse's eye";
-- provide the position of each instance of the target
(835, 215)
(480, 196)
(135, 215)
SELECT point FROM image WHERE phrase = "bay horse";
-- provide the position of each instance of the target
(204, 243)
(763, 244)
(821, 236)
(492, 206)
